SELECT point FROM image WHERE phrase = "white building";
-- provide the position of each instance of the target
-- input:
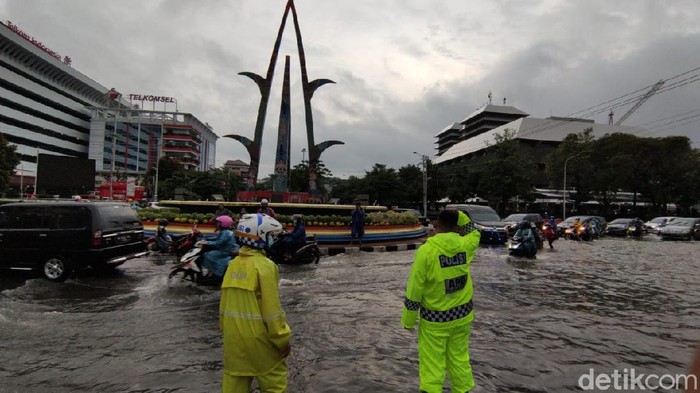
(48, 107)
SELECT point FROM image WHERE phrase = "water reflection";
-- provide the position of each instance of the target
(608, 304)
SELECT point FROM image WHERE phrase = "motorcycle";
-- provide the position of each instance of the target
(178, 244)
(190, 265)
(517, 248)
(308, 253)
(182, 243)
(582, 232)
(549, 234)
(636, 230)
(152, 244)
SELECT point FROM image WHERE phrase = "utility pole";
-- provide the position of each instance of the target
(424, 162)
(563, 201)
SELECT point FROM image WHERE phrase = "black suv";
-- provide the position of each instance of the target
(486, 220)
(58, 237)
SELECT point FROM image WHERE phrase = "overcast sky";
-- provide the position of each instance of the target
(404, 69)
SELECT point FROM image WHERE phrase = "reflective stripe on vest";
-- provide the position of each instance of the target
(448, 315)
(411, 305)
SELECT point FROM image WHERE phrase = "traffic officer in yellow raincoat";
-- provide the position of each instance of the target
(440, 290)
(256, 334)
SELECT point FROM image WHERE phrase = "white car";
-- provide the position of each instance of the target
(655, 224)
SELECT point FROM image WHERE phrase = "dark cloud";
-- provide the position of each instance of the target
(404, 69)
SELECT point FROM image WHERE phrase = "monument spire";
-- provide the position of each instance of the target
(309, 87)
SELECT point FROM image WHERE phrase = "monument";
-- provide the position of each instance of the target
(284, 131)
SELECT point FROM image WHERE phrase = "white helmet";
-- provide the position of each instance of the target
(257, 230)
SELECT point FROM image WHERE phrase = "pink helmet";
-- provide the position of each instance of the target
(225, 221)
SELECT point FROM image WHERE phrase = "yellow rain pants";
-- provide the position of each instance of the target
(253, 324)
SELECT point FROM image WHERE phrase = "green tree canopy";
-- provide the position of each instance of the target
(299, 177)
(411, 191)
(383, 185)
(574, 152)
(664, 170)
(507, 171)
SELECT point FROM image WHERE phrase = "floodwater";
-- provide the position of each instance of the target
(611, 304)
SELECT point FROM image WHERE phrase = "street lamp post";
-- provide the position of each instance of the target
(424, 162)
(159, 148)
(563, 201)
(303, 155)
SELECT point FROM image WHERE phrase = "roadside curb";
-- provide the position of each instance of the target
(331, 250)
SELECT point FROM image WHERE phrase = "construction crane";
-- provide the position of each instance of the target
(639, 103)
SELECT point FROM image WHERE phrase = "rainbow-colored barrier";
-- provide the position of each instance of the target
(327, 235)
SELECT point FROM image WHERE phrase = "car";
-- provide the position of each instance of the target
(513, 220)
(60, 237)
(655, 224)
(421, 218)
(486, 220)
(681, 228)
(622, 226)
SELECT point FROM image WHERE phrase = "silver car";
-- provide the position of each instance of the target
(681, 228)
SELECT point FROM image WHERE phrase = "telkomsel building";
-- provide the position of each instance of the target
(142, 136)
(48, 107)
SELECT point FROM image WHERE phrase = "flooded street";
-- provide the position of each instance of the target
(608, 305)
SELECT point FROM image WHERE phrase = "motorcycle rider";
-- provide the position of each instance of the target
(636, 227)
(595, 228)
(296, 238)
(524, 233)
(223, 246)
(265, 209)
(550, 234)
(576, 229)
(162, 238)
(537, 234)
(254, 326)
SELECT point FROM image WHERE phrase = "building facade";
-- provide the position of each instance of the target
(48, 107)
(237, 167)
(44, 102)
(537, 137)
(482, 120)
(131, 140)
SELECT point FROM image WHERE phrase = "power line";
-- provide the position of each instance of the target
(553, 123)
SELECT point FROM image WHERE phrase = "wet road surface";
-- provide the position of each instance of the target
(608, 304)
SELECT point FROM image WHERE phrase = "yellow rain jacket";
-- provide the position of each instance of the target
(440, 291)
(439, 281)
(250, 315)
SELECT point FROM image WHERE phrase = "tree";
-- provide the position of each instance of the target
(8, 162)
(578, 170)
(299, 178)
(347, 189)
(617, 166)
(383, 185)
(674, 174)
(456, 182)
(411, 191)
(507, 171)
